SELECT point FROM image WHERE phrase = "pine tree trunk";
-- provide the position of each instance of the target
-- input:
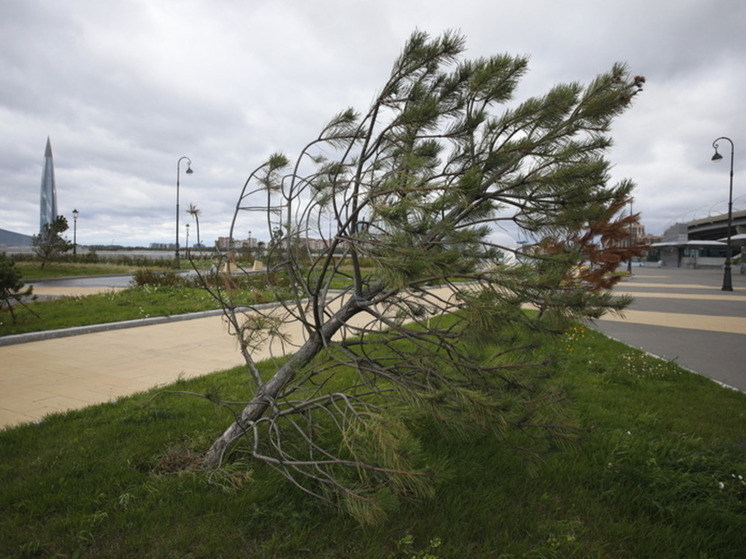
(255, 409)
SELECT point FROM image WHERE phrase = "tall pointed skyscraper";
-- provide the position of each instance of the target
(48, 210)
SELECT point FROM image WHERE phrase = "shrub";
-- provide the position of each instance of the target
(155, 278)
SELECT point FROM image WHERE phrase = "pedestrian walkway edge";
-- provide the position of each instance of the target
(93, 328)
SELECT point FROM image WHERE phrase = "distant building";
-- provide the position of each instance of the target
(226, 243)
(649, 239)
(48, 207)
(702, 242)
(636, 235)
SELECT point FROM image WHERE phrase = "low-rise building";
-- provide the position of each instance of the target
(703, 242)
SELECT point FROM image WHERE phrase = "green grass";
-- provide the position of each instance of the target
(113, 306)
(129, 304)
(658, 472)
(33, 270)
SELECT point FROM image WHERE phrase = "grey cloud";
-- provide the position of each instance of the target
(126, 87)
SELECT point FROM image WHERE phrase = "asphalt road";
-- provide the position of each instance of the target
(119, 280)
(113, 280)
(684, 316)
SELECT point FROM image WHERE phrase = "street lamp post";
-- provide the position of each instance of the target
(629, 260)
(727, 280)
(188, 172)
(187, 240)
(75, 232)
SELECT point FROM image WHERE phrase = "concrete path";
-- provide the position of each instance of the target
(70, 291)
(677, 314)
(38, 378)
(51, 375)
(103, 362)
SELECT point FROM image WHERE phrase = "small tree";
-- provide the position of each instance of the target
(431, 325)
(49, 243)
(261, 247)
(195, 212)
(12, 289)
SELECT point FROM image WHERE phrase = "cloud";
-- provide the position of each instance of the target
(126, 87)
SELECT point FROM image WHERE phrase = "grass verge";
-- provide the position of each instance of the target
(34, 271)
(113, 306)
(171, 296)
(31, 268)
(658, 472)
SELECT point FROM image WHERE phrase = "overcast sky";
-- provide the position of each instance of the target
(124, 88)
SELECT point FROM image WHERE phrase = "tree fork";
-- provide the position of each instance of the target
(255, 409)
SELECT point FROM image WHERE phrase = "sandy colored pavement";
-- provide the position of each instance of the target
(51, 375)
(38, 378)
(724, 324)
(678, 314)
(72, 291)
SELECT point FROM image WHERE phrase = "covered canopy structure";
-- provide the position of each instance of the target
(703, 242)
(691, 253)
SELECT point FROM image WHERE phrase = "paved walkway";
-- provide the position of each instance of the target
(46, 376)
(684, 316)
(677, 314)
(51, 375)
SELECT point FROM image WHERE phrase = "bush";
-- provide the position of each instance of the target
(11, 285)
(154, 278)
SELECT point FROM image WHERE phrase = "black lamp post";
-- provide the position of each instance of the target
(188, 172)
(629, 261)
(187, 240)
(727, 281)
(75, 232)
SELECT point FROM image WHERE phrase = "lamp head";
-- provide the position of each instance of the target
(189, 169)
(717, 156)
(75, 213)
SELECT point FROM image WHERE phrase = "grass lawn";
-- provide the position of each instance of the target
(129, 304)
(658, 471)
(144, 301)
(33, 270)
